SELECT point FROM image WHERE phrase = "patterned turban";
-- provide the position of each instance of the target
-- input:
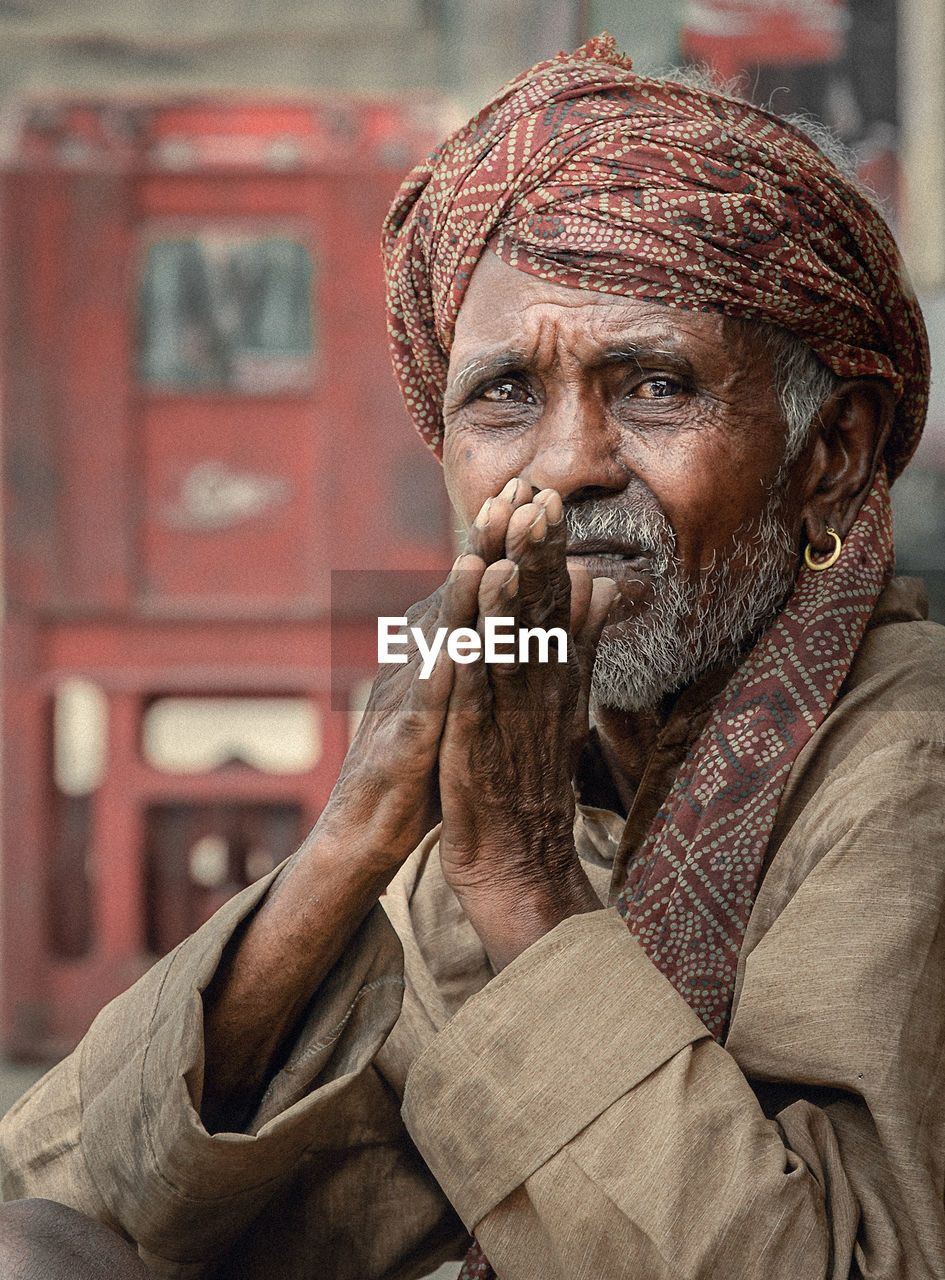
(585, 174)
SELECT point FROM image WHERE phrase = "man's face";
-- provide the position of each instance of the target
(662, 432)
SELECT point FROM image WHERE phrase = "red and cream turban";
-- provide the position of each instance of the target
(588, 175)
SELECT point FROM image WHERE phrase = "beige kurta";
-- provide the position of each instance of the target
(573, 1109)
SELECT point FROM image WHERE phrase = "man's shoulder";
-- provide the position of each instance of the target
(891, 706)
(897, 682)
(875, 765)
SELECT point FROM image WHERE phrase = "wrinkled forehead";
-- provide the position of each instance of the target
(509, 317)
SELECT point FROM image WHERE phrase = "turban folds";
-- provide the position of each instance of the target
(583, 173)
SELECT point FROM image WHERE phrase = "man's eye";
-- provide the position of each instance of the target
(507, 392)
(657, 388)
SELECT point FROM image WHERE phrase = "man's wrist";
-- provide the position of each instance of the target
(510, 913)
(376, 841)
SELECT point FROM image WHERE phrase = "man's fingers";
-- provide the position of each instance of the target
(581, 589)
(601, 598)
(487, 535)
(459, 605)
(498, 600)
(475, 678)
(451, 605)
(604, 594)
(454, 605)
(536, 542)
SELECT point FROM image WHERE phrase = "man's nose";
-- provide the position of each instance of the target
(576, 451)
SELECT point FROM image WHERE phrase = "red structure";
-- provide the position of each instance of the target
(732, 35)
(199, 422)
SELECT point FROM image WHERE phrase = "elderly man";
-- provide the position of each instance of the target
(690, 1023)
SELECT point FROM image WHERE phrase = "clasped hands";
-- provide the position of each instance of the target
(487, 748)
(490, 747)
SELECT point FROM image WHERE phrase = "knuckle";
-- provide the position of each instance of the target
(414, 721)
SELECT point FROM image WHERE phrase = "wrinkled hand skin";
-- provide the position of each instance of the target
(492, 746)
(512, 731)
(390, 772)
(383, 804)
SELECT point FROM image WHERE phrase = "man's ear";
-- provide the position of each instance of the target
(854, 426)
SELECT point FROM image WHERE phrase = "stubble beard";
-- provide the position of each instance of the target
(691, 625)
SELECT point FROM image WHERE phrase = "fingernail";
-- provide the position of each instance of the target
(615, 590)
(482, 519)
(510, 585)
(554, 509)
(508, 493)
(538, 527)
(455, 569)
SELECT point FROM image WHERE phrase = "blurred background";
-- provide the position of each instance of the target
(199, 421)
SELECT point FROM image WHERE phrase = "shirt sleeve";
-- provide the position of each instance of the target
(114, 1130)
(583, 1122)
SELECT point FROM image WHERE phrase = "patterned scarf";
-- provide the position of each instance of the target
(585, 174)
(692, 885)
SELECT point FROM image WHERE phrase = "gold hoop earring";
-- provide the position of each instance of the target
(832, 558)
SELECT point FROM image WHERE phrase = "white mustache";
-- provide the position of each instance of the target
(627, 524)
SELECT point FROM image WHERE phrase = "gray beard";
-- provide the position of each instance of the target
(691, 625)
